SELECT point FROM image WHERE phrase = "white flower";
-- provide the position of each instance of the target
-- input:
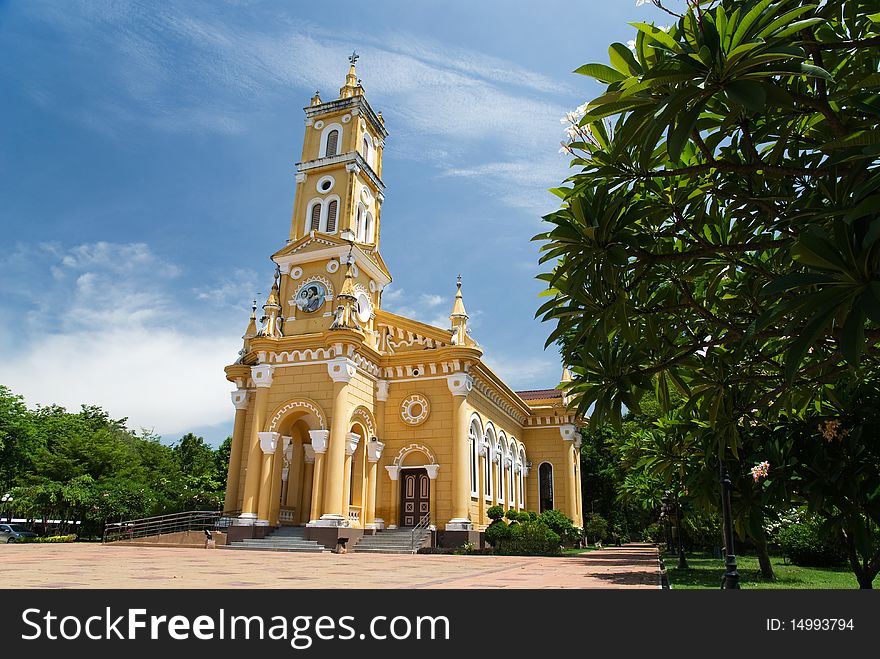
(582, 109)
(666, 28)
(639, 3)
(632, 44)
(572, 133)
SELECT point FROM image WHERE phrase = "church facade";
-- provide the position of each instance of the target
(350, 419)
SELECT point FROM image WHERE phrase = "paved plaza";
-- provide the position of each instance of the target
(84, 565)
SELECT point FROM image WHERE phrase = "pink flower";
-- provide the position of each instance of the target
(760, 470)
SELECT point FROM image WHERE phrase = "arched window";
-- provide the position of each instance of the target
(366, 144)
(359, 223)
(315, 216)
(331, 216)
(545, 486)
(487, 471)
(473, 438)
(511, 492)
(522, 478)
(502, 474)
(332, 143)
(368, 228)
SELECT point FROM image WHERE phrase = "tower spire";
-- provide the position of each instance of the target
(459, 320)
(344, 318)
(352, 86)
(271, 310)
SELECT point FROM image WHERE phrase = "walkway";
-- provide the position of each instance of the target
(96, 566)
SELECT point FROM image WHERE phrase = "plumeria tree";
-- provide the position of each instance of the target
(720, 233)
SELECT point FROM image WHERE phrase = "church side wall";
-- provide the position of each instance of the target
(547, 445)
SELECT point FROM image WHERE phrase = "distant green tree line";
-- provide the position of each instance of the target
(84, 466)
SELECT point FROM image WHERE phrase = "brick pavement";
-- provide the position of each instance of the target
(85, 565)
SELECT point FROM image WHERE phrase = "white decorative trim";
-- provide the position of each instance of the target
(305, 403)
(332, 266)
(363, 414)
(459, 524)
(261, 374)
(332, 250)
(568, 432)
(341, 369)
(239, 398)
(412, 448)
(319, 184)
(411, 401)
(268, 442)
(296, 273)
(320, 440)
(460, 384)
(346, 118)
(353, 168)
(382, 390)
(374, 450)
(499, 401)
(333, 521)
(372, 286)
(352, 440)
(308, 454)
(301, 177)
(432, 471)
(319, 124)
(393, 472)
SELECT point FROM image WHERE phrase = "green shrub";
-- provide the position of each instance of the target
(561, 525)
(530, 538)
(532, 515)
(495, 513)
(497, 532)
(701, 530)
(48, 538)
(595, 527)
(511, 515)
(804, 543)
(653, 533)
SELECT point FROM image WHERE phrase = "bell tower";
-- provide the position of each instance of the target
(339, 184)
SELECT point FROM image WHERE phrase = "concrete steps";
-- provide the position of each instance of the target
(395, 541)
(287, 538)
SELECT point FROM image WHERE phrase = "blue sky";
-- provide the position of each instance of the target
(147, 155)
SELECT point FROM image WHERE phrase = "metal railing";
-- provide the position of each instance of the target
(420, 530)
(191, 520)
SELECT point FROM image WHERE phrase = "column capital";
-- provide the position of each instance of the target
(239, 398)
(460, 384)
(393, 472)
(569, 432)
(319, 440)
(432, 471)
(341, 369)
(374, 450)
(286, 443)
(285, 471)
(308, 454)
(382, 390)
(268, 441)
(352, 440)
(261, 374)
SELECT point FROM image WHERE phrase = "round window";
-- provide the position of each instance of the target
(325, 184)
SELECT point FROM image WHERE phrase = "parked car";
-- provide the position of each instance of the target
(12, 532)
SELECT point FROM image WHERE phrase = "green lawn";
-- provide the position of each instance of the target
(705, 572)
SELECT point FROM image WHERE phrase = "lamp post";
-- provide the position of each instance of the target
(6, 498)
(682, 559)
(664, 517)
(730, 580)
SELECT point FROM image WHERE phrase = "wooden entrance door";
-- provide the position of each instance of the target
(415, 492)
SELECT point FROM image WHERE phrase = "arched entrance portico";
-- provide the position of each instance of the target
(413, 474)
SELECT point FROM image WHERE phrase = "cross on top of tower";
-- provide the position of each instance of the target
(353, 57)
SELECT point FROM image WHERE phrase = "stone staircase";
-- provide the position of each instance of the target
(287, 538)
(392, 541)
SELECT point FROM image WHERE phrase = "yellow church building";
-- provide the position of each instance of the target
(351, 420)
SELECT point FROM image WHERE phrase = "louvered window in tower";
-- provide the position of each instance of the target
(332, 142)
(331, 216)
(315, 224)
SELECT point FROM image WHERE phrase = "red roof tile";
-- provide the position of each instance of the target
(539, 394)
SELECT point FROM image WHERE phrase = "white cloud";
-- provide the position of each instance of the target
(104, 327)
(522, 374)
(432, 300)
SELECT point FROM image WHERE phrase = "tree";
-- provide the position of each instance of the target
(721, 235)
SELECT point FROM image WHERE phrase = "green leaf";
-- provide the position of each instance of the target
(623, 60)
(746, 93)
(815, 250)
(679, 136)
(749, 20)
(659, 36)
(808, 336)
(852, 336)
(601, 72)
